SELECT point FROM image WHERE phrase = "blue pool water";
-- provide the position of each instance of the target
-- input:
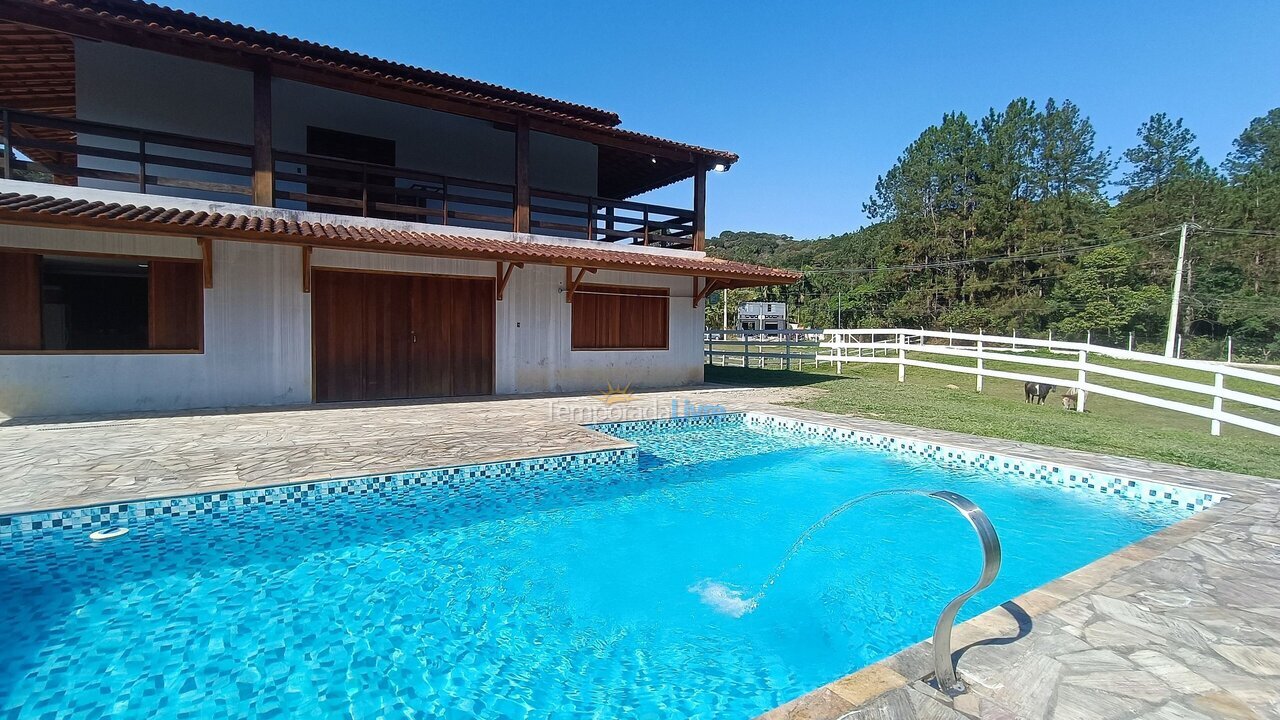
(555, 595)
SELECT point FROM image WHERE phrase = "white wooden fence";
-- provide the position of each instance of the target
(895, 346)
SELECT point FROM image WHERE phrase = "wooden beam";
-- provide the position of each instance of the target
(505, 277)
(710, 286)
(522, 214)
(700, 206)
(306, 268)
(206, 252)
(263, 164)
(571, 282)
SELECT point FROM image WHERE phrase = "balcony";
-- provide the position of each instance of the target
(65, 151)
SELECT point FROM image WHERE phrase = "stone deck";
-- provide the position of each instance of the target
(1183, 624)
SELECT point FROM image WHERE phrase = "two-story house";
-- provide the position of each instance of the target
(194, 213)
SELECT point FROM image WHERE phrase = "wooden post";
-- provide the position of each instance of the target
(700, 206)
(1215, 428)
(902, 355)
(142, 162)
(1130, 341)
(1081, 378)
(522, 214)
(8, 145)
(206, 262)
(263, 164)
(1229, 348)
(306, 268)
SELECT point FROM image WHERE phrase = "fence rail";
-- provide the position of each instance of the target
(895, 346)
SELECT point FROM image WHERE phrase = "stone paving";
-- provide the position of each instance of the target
(1184, 624)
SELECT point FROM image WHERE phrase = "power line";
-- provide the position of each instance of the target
(1057, 252)
(1234, 231)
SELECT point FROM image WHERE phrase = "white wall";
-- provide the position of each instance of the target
(257, 338)
(258, 333)
(145, 89)
(534, 326)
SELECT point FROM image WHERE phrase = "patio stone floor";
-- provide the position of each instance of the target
(1184, 624)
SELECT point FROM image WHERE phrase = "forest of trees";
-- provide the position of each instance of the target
(1018, 221)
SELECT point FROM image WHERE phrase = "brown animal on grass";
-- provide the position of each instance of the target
(1070, 397)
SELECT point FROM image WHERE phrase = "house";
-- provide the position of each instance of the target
(762, 316)
(195, 214)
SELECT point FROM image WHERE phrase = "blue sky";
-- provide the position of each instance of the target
(819, 98)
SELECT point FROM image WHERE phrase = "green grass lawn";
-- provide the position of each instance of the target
(1110, 426)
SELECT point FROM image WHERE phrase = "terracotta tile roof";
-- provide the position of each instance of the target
(48, 210)
(149, 18)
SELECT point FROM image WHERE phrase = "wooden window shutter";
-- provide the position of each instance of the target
(19, 301)
(609, 317)
(176, 305)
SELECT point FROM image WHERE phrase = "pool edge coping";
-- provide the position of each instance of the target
(910, 667)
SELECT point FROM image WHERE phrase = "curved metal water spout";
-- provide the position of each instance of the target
(944, 669)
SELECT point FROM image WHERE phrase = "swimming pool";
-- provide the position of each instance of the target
(549, 588)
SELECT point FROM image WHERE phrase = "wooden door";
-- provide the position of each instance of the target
(338, 335)
(453, 321)
(387, 336)
(383, 336)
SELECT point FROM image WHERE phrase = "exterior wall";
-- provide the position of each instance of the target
(141, 88)
(534, 326)
(257, 334)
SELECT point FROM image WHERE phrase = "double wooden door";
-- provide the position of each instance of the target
(381, 336)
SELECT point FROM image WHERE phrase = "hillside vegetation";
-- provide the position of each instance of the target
(1007, 222)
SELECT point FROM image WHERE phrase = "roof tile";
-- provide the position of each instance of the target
(50, 210)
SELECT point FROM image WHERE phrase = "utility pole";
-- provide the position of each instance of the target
(840, 310)
(1177, 293)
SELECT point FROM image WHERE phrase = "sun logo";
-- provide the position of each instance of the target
(613, 396)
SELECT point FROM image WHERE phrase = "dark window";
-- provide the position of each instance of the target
(346, 185)
(610, 317)
(77, 303)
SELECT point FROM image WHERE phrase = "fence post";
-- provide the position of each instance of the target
(787, 350)
(1088, 337)
(1015, 340)
(1228, 348)
(1130, 341)
(902, 355)
(1178, 354)
(951, 337)
(1051, 336)
(839, 353)
(979, 362)
(6, 170)
(1081, 378)
(1215, 428)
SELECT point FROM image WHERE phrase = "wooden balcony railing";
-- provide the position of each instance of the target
(68, 151)
(65, 151)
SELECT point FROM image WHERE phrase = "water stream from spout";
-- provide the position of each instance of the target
(733, 602)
